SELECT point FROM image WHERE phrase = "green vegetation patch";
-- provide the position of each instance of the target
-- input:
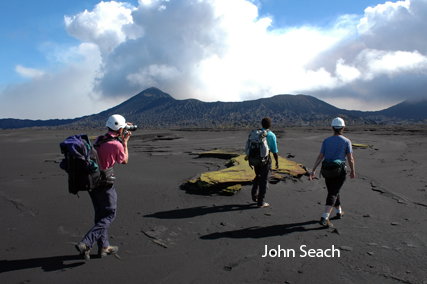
(362, 146)
(238, 173)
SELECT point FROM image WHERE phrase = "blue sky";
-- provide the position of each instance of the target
(295, 13)
(54, 53)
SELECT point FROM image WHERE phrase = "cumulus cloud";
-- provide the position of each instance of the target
(216, 50)
(386, 62)
(107, 26)
(63, 94)
(28, 72)
(224, 50)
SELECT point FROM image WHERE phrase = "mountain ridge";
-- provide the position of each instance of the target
(153, 108)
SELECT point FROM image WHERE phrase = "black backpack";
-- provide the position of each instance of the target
(81, 162)
(332, 168)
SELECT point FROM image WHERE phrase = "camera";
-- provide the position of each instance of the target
(131, 127)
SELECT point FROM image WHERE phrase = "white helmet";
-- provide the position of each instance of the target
(338, 123)
(116, 121)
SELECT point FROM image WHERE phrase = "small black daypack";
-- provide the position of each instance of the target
(332, 168)
(81, 162)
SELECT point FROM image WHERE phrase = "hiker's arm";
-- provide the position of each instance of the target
(125, 145)
(276, 157)
(351, 164)
(319, 159)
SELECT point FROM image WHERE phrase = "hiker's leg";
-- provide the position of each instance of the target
(334, 186)
(89, 239)
(109, 214)
(107, 200)
(337, 201)
(265, 172)
(255, 183)
(96, 207)
(328, 209)
(330, 200)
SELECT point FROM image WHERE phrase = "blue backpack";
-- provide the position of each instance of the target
(81, 162)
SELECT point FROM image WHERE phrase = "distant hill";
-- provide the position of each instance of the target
(415, 110)
(10, 123)
(153, 108)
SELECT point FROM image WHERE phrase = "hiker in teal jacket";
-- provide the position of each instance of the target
(263, 173)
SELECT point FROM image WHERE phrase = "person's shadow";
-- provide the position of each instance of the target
(48, 264)
(199, 211)
(264, 232)
(251, 232)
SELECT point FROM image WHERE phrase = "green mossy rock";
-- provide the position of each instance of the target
(230, 180)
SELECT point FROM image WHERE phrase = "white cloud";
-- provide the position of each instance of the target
(379, 15)
(392, 63)
(64, 94)
(395, 26)
(108, 25)
(222, 50)
(28, 72)
(386, 64)
(153, 75)
(346, 73)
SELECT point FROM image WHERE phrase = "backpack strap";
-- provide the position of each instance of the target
(264, 131)
(266, 134)
(107, 175)
(105, 138)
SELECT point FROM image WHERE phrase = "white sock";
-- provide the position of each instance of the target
(339, 210)
(325, 215)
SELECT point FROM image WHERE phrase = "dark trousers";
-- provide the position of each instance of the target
(334, 186)
(105, 204)
(260, 183)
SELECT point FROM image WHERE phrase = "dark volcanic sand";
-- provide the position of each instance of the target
(166, 235)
